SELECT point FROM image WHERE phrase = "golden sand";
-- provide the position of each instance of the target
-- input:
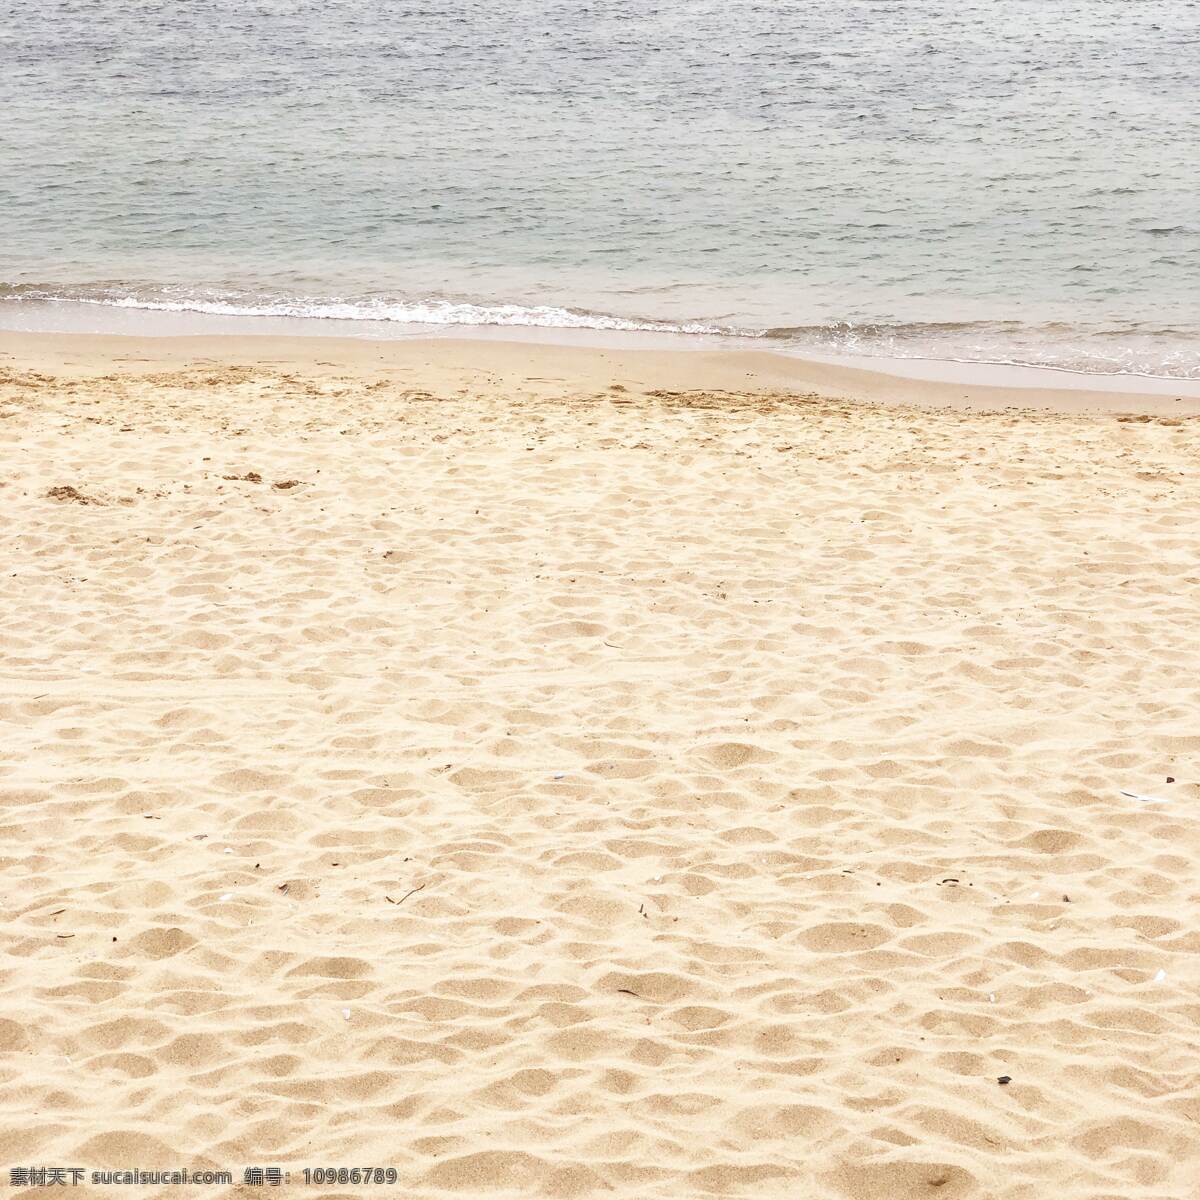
(569, 773)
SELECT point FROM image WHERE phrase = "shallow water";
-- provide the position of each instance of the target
(997, 180)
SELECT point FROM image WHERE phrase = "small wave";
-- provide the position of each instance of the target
(846, 330)
(1097, 349)
(399, 312)
(1133, 350)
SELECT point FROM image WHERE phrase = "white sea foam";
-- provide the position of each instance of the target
(421, 312)
(1117, 351)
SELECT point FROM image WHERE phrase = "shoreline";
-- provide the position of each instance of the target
(562, 367)
(612, 332)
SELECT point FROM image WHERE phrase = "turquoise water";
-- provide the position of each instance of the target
(1004, 180)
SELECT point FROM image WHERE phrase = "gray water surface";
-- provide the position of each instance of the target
(1007, 180)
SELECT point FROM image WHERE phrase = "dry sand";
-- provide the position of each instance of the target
(429, 756)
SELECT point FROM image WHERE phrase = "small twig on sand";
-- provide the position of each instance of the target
(405, 896)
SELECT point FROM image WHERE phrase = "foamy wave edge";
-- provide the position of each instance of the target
(866, 342)
(425, 312)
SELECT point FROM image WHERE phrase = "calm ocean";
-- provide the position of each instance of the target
(999, 180)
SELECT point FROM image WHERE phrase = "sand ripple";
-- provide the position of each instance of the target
(637, 795)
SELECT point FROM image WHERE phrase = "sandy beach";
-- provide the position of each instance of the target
(561, 772)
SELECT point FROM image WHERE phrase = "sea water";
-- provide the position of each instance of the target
(995, 180)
